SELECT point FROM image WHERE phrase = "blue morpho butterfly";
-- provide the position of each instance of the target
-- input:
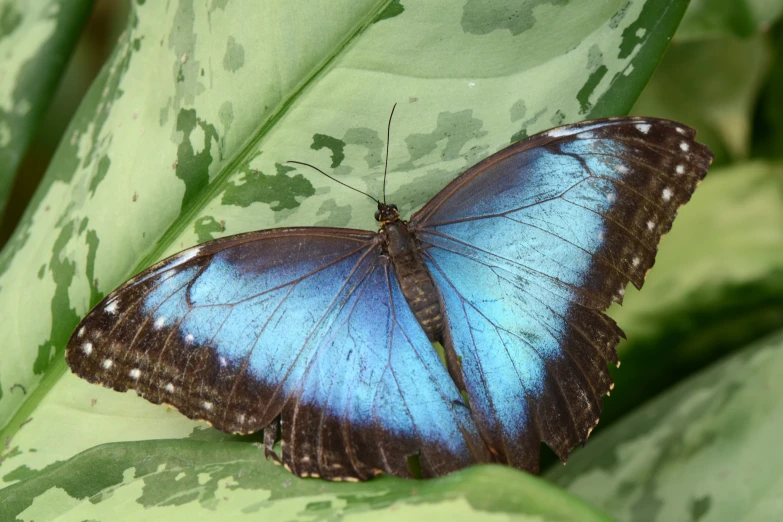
(321, 337)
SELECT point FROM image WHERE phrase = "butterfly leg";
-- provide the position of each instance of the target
(271, 436)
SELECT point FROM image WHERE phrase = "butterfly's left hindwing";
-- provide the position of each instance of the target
(376, 393)
(529, 247)
(305, 327)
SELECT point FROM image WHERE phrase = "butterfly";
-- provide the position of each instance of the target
(322, 337)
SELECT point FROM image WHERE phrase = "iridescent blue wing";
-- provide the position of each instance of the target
(303, 330)
(529, 247)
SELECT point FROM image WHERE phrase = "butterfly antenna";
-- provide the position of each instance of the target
(386, 168)
(334, 179)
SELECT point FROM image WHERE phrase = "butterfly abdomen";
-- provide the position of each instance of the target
(415, 280)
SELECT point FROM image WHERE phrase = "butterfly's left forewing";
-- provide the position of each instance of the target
(529, 247)
(202, 330)
(306, 327)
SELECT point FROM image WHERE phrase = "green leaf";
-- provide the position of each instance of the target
(184, 137)
(717, 285)
(740, 18)
(712, 85)
(709, 449)
(189, 480)
(768, 121)
(36, 41)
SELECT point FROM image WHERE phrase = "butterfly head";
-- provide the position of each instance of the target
(387, 213)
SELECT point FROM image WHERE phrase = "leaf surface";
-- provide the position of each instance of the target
(185, 134)
(37, 38)
(705, 450)
(193, 480)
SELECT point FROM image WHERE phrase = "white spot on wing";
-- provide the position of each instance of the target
(87, 348)
(621, 291)
(159, 322)
(557, 133)
(111, 307)
(107, 363)
(241, 418)
(650, 225)
(666, 194)
(169, 388)
(684, 146)
(188, 255)
(622, 169)
(207, 405)
(611, 197)
(189, 338)
(635, 262)
(680, 130)
(135, 374)
(222, 361)
(644, 128)
(568, 130)
(679, 169)
(81, 331)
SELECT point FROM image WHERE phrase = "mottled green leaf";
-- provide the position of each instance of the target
(708, 450)
(192, 480)
(185, 134)
(712, 85)
(717, 285)
(36, 41)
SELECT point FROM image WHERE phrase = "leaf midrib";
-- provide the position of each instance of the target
(184, 219)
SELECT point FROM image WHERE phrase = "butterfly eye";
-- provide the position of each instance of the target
(377, 215)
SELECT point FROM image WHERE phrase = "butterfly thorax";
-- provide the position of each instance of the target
(415, 280)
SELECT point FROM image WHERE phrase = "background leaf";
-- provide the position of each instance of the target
(707, 450)
(768, 121)
(739, 18)
(36, 41)
(717, 285)
(712, 85)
